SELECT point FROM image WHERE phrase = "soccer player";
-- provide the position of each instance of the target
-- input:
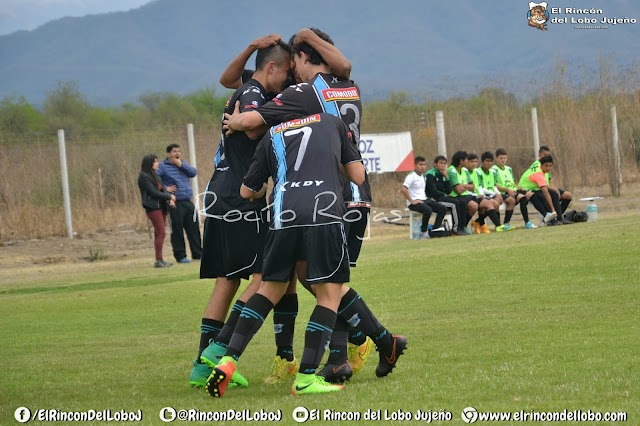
(235, 228)
(565, 196)
(507, 186)
(413, 190)
(546, 201)
(485, 205)
(285, 312)
(304, 158)
(326, 92)
(462, 184)
(487, 180)
(438, 188)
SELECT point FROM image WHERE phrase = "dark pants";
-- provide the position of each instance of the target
(540, 203)
(182, 221)
(157, 218)
(426, 208)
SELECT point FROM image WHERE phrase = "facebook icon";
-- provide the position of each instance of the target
(22, 414)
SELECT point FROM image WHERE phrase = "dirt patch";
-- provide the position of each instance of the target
(112, 245)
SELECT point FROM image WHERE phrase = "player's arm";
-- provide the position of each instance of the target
(249, 122)
(231, 77)
(250, 194)
(350, 157)
(355, 172)
(254, 183)
(338, 63)
(405, 191)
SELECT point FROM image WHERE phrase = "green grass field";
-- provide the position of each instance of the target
(542, 320)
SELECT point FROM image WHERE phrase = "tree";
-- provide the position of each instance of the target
(18, 116)
(65, 107)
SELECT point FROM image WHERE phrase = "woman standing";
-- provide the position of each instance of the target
(154, 200)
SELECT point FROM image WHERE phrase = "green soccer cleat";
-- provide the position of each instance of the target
(281, 370)
(311, 384)
(358, 355)
(199, 374)
(211, 356)
(220, 378)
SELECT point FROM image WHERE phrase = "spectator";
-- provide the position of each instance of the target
(155, 198)
(413, 190)
(175, 171)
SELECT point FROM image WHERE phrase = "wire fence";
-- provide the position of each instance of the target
(103, 166)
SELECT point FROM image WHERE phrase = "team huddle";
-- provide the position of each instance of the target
(467, 189)
(304, 137)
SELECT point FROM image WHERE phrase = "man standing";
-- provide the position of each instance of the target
(304, 157)
(176, 171)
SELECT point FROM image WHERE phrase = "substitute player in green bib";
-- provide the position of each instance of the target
(507, 186)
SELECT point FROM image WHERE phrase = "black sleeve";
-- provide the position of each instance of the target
(447, 187)
(431, 190)
(349, 151)
(145, 183)
(258, 172)
(298, 99)
(250, 99)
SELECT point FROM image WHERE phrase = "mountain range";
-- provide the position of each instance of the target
(424, 47)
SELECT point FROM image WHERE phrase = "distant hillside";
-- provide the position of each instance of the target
(429, 48)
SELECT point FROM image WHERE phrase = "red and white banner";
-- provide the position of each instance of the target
(387, 152)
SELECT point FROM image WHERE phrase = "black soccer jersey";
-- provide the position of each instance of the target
(234, 156)
(324, 93)
(303, 157)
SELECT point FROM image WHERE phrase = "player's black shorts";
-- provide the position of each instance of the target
(233, 248)
(468, 198)
(323, 246)
(355, 224)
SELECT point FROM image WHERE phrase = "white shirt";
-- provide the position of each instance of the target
(415, 184)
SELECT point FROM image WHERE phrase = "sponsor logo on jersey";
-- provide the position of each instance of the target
(299, 122)
(348, 94)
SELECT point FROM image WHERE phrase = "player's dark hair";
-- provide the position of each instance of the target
(472, 156)
(543, 148)
(279, 53)
(546, 159)
(312, 54)
(147, 166)
(485, 155)
(418, 159)
(501, 151)
(439, 158)
(170, 147)
(458, 157)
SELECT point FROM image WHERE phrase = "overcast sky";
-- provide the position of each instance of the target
(29, 14)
